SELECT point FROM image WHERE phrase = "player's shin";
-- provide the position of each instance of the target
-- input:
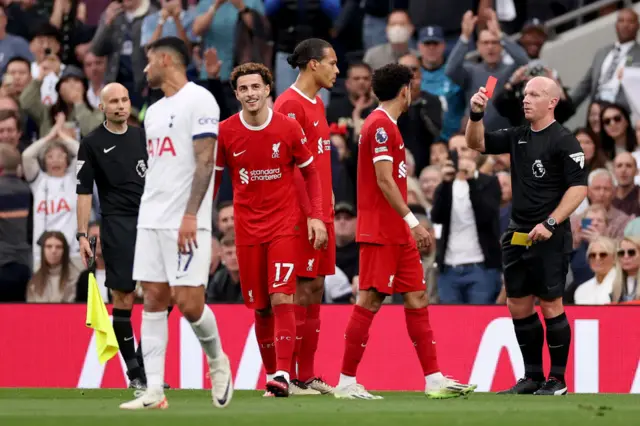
(356, 337)
(421, 335)
(154, 336)
(206, 329)
(264, 335)
(285, 332)
(124, 335)
(310, 336)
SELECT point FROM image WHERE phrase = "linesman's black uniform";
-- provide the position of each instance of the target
(544, 164)
(118, 164)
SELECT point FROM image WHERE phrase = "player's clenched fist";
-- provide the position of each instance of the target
(479, 100)
(421, 235)
(317, 233)
(187, 234)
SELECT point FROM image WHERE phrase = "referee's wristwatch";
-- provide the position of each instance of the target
(81, 234)
(550, 224)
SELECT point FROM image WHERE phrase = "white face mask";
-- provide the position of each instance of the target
(398, 34)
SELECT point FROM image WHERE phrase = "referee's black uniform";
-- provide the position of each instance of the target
(544, 164)
(118, 164)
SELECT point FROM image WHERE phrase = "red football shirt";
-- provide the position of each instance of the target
(378, 222)
(262, 161)
(310, 114)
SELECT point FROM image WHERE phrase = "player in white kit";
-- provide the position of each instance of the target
(173, 246)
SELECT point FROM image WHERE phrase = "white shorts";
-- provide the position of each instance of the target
(157, 258)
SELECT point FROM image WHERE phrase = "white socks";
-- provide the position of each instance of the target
(434, 380)
(270, 377)
(154, 337)
(346, 380)
(283, 374)
(206, 330)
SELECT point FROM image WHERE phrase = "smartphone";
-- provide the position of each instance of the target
(585, 223)
(453, 156)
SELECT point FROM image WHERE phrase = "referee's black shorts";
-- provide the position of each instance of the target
(118, 236)
(539, 270)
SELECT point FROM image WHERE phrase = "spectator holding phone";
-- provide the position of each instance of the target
(467, 204)
(593, 224)
(72, 102)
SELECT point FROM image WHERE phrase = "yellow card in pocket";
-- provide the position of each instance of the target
(520, 239)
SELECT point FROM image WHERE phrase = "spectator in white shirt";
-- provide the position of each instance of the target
(625, 287)
(602, 260)
(50, 168)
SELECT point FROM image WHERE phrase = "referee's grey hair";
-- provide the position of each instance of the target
(600, 172)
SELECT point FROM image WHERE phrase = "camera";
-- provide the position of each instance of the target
(535, 70)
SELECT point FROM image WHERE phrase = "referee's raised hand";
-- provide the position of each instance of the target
(479, 100)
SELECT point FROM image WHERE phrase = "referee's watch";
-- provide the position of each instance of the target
(550, 224)
(81, 234)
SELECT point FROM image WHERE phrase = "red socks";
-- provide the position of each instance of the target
(264, 336)
(421, 335)
(285, 335)
(356, 337)
(300, 314)
(311, 334)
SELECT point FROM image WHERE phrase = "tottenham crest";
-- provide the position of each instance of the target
(381, 135)
(538, 169)
(141, 168)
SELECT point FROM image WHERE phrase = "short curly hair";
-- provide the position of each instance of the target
(389, 80)
(248, 69)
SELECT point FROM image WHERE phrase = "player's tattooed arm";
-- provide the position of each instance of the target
(204, 149)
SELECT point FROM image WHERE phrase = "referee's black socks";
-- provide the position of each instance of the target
(124, 335)
(530, 335)
(558, 342)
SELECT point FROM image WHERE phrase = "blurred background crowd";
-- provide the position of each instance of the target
(56, 55)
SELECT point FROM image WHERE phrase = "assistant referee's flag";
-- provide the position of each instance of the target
(98, 319)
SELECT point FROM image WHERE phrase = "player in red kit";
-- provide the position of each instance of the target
(389, 236)
(262, 148)
(317, 62)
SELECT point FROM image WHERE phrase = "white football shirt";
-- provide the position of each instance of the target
(171, 125)
(54, 208)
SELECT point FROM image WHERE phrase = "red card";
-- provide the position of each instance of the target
(490, 86)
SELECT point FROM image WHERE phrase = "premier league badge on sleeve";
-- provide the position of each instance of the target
(381, 135)
(141, 168)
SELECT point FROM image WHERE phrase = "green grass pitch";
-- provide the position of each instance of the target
(71, 407)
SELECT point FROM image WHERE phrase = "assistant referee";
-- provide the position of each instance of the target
(549, 182)
(114, 155)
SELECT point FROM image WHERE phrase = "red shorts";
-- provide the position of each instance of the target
(266, 269)
(391, 268)
(311, 262)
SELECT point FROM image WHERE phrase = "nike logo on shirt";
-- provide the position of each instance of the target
(235, 154)
(107, 150)
(521, 142)
(315, 123)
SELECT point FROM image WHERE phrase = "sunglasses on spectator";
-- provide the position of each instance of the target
(598, 255)
(630, 253)
(616, 118)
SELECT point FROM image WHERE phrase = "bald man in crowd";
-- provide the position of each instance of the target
(548, 182)
(114, 157)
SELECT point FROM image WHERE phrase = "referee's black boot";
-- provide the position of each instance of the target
(552, 386)
(525, 386)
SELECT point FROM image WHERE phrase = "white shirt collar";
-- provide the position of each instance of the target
(388, 115)
(293, 86)
(257, 128)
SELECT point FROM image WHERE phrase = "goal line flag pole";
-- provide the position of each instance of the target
(97, 315)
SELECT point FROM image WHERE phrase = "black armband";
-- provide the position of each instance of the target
(476, 116)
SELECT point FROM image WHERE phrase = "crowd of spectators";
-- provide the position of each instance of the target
(56, 55)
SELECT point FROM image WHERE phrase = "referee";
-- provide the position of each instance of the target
(549, 182)
(115, 157)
